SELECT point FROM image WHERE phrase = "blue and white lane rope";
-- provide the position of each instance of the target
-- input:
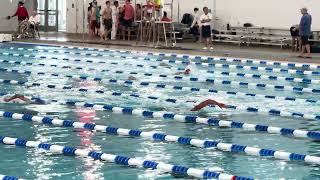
(145, 74)
(213, 81)
(157, 136)
(85, 54)
(73, 67)
(75, 53)
(121, 160)
(177, 87)
(5, 177)
(226, 66)
(274, 112)
(258, 110)
(239, 60)
(222, 59)
(178, 62)
(190, 119)
(266, 77)
(242, 75)
(241, 67)
(225, 59)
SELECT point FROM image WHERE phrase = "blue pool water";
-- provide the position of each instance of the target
(35, 164)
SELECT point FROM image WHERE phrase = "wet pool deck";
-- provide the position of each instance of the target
(221, 50)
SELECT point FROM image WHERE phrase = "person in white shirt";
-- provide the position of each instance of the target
(115, 19)
(195, 27)
(34, 19)
(205, 20)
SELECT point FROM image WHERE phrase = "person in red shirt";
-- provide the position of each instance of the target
(128, 18)
(165, 17)
(21, 12)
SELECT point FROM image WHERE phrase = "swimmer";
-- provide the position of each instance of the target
(187, 71)
(132, 78)
(207, 103)
(17, 98)
(162, 64)
(79, 83)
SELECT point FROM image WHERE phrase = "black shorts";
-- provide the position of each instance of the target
(127, 23)
(107, 24)
(304, 40)
(206, 31)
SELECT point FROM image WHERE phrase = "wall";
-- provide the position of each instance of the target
(8, 7)
(267, 13)
(264, 13)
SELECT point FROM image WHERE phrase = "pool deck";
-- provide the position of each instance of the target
(192, 48)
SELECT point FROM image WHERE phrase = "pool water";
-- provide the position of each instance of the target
(35, 164)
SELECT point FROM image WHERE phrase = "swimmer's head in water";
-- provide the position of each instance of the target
(187, 71)
(132, 78)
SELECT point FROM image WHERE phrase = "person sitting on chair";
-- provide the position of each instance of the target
(165, 17)
(34, 20)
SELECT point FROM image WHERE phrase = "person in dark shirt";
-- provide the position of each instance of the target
(305, 33)
(295, 43)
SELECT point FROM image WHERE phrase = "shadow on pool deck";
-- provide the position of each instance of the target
(225, 50)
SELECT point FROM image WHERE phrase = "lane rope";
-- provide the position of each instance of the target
(219, 59)
(145, 74)
(121, 160)
(188, 119)
(226, 66)
(5, 177)
(260, 86)
(274, 112)
(223, 73)
(158, 136)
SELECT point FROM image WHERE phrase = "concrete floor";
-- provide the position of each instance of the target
(221, 50)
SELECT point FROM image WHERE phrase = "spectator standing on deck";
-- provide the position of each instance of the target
(21, 12)
(205, 20)
(107, 20)
(93, 19)
(138, 12)
(98, 16)
(195, 27)
(115, 19)
(89, 15)
(127, 19)
(305, 33)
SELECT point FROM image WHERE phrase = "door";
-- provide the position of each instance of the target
(49, 15)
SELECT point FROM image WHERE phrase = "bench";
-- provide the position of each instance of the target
(5, 37)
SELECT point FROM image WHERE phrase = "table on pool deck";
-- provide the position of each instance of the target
(157, 27)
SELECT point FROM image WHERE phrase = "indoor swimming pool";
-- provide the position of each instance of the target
(135, 108)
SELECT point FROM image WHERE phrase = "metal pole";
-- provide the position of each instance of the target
(214, 8)
(57, 15)
(178, 10)
(83, 20)
(46, 16)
